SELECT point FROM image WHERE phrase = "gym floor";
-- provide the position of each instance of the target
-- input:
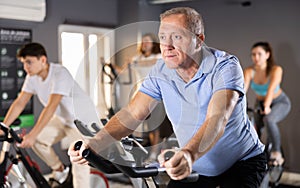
(289, 180)
(118, 185)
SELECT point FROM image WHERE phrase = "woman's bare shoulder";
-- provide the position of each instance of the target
(248, 70)
(276, 68)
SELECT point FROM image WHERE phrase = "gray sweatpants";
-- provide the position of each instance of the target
(280, 108)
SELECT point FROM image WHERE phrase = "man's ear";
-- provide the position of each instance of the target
(200, 39)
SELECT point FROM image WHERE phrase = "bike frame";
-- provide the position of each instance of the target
(140, 175)
(3, 162)
(272, 171)
(11, 137)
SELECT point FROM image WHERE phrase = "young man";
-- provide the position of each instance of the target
(62, 98)
(202, 90)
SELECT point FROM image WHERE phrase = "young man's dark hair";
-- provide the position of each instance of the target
(32, 49)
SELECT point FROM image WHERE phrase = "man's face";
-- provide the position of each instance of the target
(33, 65)
(178, 45)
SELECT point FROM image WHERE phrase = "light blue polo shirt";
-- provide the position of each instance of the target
(186, 106)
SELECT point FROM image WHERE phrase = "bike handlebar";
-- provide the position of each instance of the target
(193, 177)
(258, 109)
(168, 155)
(13, 134)
(108, 167)
(96, 160)
(135, 172)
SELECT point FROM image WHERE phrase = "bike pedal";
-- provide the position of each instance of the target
(68, 183)
(56, 184)
(53, 182)
(275, 173)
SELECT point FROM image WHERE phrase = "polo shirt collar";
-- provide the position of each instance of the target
(208, 60)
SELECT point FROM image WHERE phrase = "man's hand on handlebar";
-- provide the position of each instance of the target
(179, 166)
(76, 155)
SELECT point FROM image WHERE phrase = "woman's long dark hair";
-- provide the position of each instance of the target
(270, 61)
(155, 46)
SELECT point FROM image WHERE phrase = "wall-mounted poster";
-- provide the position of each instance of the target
(12, 74)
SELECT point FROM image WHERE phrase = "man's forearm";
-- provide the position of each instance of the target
(206, 137)
(120, 125)
(218, 114)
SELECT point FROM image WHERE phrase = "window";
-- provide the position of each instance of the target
(82, 51)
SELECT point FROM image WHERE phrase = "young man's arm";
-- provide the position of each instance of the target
(219, 111)
(16, 108)
(45, 116)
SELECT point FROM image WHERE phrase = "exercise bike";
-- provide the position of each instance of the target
(126, 157)
(274, 173)
(16, 168)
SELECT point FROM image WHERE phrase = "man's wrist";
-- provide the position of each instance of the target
(189, 152)
(189, 157)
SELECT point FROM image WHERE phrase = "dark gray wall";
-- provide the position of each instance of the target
(132, 14)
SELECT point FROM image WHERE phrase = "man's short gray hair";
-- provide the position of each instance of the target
(194, 19)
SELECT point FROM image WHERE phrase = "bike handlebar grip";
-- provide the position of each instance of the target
(77, 145)
(3, 127)
(193, 177)
(99, 162)
(96, 160)
(168, 155)
(15, 136)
